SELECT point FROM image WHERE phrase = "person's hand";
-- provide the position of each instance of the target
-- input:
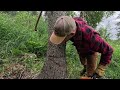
(99, 72)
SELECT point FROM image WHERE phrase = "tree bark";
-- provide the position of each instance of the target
(55, 64)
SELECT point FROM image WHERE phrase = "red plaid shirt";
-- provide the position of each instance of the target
(87, 41)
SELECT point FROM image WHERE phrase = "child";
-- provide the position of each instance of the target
(87, 42)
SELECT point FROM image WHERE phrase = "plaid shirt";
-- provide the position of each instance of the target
(87, 41)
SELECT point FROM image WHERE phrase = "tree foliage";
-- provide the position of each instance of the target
(118, 28)
(70, 13)
(94, 17)
(104, 33)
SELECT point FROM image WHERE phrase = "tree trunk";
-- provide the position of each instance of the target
(55, 65)
(82, 14)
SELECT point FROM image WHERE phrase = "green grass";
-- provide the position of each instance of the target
(17, 37)
(73, 62)
(113, 69)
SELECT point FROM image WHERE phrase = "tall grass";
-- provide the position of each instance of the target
(17, 34)
(17, 37)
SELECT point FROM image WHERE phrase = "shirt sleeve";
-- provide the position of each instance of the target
(98, 44)
(106, 52)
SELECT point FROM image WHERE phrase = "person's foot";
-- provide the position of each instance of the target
(84, 76)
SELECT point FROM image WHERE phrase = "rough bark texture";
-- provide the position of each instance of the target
(55, 64)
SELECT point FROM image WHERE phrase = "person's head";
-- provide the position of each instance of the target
(64, 26)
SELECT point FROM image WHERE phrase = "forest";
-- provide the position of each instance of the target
(24, 51)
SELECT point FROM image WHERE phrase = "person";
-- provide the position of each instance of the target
(88, 43)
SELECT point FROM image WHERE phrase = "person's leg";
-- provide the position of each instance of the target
(91, 63)
(83, 61)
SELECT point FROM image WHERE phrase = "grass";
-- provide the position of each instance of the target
(18, 42)
(73, 63)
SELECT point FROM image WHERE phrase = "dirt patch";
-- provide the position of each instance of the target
(16, 71)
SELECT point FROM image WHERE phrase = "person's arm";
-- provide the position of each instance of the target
(106, 55)
(101, 46)
(98, 44)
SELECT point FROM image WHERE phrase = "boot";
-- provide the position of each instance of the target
(84, 75)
